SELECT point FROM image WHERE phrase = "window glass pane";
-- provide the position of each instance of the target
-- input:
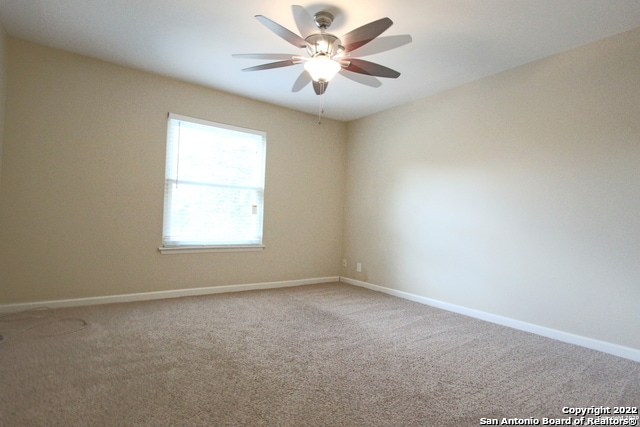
(219, 158)
(201, 214)
(214, 184)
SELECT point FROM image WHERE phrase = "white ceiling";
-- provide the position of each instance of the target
(454, 41)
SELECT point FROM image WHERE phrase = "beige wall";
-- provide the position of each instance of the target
(3, 92)
(517, 195)
(83, 170)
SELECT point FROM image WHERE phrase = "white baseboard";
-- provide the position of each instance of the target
(147, 296)
(603, 346)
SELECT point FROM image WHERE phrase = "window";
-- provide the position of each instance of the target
(214, 187)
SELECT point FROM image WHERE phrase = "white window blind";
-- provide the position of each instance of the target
(214, 187)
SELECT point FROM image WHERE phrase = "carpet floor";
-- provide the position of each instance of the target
(315, 355)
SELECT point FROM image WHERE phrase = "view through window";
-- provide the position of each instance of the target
(214, 186)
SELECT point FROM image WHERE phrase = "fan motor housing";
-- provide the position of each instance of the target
(323, 44)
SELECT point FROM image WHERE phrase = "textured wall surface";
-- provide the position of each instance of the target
(516, 195)
(83, 183)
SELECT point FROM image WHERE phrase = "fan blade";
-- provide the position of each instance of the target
(301, 82)
(363, 35)
(371, 68)
(383, 44)
(320, 88)
(304, 21)
(281, 31)
(364, 79)
(273, 56)
(271, 65)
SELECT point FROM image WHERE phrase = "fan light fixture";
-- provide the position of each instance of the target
(327, 55)
(322, 68)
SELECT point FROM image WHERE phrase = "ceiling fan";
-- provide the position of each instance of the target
(327, 54)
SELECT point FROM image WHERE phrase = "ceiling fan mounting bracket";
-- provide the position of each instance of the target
(323, 20)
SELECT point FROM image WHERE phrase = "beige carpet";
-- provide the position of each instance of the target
(319, 355)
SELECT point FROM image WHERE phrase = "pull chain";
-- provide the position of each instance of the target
(321, 109)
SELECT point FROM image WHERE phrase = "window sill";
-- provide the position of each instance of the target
(173, 250)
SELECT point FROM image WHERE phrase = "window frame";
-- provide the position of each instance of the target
(184, 248)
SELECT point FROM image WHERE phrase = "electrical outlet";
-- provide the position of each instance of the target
(359, 267)
(344, 262)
